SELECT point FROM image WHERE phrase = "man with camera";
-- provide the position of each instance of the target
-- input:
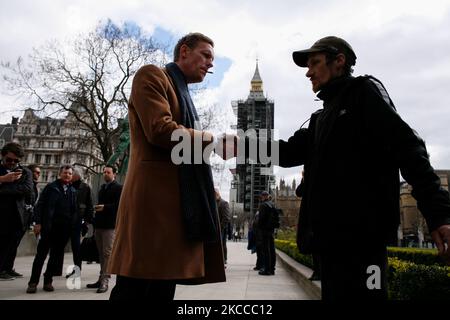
(16, 186)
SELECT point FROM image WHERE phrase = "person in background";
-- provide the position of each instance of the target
(266, 229)
(105, 224)
(225, 222)
(85, 212)
(55, 216)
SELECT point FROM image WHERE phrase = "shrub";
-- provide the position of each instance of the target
(286, 234)
(406, 280)
(290, 248)
(410, 281)
(418, 256)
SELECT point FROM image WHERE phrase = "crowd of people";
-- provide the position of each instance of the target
(61, 212)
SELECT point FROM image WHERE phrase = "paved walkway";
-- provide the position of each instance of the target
(242, 282)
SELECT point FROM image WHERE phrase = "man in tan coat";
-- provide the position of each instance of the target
(167, 229)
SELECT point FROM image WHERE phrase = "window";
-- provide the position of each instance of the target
(48, 159)
(37, 158)
(44, 176)
(57, 159)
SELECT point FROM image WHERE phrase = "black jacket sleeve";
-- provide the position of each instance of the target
(112, 207)
(409, 153)
(290, 153)
(89, 211)
(21, 187)
(264, 215)
(39, 208)
(224, 213)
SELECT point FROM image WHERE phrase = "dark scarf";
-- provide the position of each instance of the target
(198, 203)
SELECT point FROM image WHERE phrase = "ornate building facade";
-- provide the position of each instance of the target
(286, 199)
(50, 142)
(413, 229)
(7, 132)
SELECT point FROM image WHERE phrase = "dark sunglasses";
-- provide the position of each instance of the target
(10, 160)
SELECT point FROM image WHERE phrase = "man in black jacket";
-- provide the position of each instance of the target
(352, 152)
(266, 229)
(36, 171)
(223, 209)
(54, 217)
(105, 223)
(15, 187)
(85, 212)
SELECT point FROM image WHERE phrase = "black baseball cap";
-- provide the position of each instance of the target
(264, 193)
(329, 44)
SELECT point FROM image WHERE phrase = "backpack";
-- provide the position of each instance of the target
(274, 220)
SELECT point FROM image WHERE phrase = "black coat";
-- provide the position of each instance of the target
(109, 195)
(352, 152)
(12, 201)
(51, 198)
(223, 209)
(265, 216)
(84, 201)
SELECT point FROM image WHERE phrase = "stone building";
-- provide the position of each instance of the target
(51, 142)
(7, 132)
(286, 199)
(413, 230)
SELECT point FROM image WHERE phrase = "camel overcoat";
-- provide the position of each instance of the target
(150, 240)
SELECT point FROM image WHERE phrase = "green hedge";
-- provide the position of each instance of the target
(410, 281)
(427, 257)
(290, 248)
(406, 280)
(418, 256)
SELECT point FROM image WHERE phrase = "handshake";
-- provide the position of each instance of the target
(226, 145)
(245, 146)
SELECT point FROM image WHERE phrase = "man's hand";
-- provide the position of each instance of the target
(37, 229)
(227, 146)
(11, 177)
(441, 236)
(99, 207)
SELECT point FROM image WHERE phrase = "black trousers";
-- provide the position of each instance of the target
(316, 264)
(351, 276)
(76, 244)
(54, 241)
(259, 256)
(127, 288)
(10, 258)
(268, 252)
(224, 246)
(8, 243)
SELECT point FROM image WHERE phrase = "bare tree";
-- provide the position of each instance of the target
(88, 78)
